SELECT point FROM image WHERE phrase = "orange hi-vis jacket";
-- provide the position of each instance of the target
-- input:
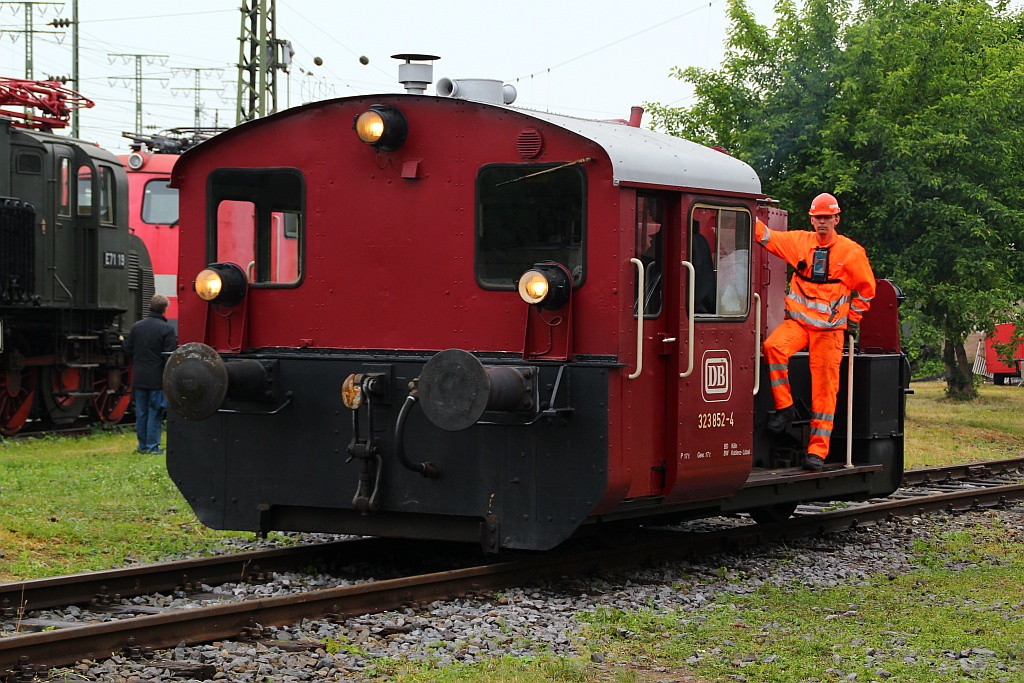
(842, 294)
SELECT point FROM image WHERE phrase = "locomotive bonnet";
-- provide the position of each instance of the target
(443, 316)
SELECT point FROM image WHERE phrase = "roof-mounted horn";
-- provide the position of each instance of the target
(477, 89)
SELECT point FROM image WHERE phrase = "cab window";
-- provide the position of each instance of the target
(83, 199)
(106, 208)
(106, 197)
(159, 203)
(720, 254)
(256, 222)
(650, 250)
(30, 164)
(64, 207)
(527, 214)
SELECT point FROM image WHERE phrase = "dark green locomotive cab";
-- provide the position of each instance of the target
(73, 279)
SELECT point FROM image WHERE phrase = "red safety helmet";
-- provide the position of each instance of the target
(824, 205)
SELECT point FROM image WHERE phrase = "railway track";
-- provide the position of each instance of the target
(137, 630)
(966, 472)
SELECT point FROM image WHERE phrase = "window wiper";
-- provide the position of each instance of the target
(547, 170)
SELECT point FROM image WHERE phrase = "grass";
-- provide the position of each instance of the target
(913, 627)
(943, 432)
(71, 505)
(505, 669)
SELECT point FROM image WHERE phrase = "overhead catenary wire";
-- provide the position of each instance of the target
(295, 18)
(660, 24)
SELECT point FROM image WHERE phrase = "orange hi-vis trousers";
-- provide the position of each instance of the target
(825, 356)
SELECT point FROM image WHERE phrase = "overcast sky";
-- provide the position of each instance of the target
(589, 58)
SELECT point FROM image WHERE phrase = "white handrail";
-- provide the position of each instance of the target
(640, 284)
(689, 312)
(849, 408)
(757, 343)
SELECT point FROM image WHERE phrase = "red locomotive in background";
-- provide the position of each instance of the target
(447, 317)
(153, 203)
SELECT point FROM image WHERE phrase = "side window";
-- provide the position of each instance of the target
(64, 208)
(84, 196)
(159, 203)
(526, 214)
(734, 263)
(106, 176)
(720, 254)
(30, 164)
(650, 250)
(257, 223)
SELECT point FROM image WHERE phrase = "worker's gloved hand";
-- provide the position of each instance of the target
(853, 330)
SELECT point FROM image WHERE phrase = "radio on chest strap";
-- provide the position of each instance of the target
(819, 268)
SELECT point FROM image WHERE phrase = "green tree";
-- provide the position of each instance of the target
(909, 111)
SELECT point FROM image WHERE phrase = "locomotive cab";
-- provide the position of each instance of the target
(494, 325)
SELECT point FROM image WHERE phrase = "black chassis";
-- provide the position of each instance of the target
(518, 479)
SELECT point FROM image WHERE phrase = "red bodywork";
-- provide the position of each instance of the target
(994, 363)
(160, 234)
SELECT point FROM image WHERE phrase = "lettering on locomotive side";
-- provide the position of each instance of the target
(734, 449)
(113, 259)
(717, 376)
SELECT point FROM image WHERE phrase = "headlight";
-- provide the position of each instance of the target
(547, 285)
(223, 284)
(370, 126)
(208, 285)
(136, 161)
(383, 126)
(533, 286)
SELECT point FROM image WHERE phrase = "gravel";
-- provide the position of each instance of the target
(534, 621)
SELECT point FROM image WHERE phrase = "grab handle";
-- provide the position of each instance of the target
(689, 316)
(640, 283)
(757, 343)
(849, 408)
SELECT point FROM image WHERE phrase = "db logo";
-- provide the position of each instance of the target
(717, 366)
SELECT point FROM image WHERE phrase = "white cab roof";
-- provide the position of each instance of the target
(639, 155)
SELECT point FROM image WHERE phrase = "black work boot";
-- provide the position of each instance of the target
(813, 463)
(780, 419)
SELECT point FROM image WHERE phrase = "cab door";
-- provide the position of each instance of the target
(61, 263)
(644, 414)
(717, 355)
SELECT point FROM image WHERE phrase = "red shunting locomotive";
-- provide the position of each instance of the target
(446, 317)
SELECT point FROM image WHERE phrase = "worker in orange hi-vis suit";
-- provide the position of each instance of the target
(830, 291)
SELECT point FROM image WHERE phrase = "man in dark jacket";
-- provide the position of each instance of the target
(146, 344)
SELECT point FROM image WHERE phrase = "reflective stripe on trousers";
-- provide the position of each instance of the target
(825, 355)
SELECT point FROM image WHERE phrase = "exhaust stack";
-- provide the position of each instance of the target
(414, 74)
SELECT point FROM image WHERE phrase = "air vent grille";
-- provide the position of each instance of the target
(530, 143)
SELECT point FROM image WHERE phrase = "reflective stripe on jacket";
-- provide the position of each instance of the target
(847, 294)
